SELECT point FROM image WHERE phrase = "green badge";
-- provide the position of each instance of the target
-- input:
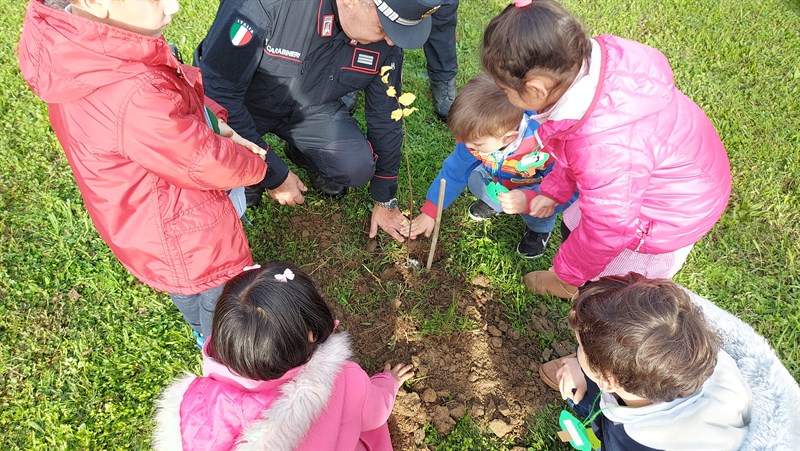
(532, 160)
(576, 433)
(495, 188)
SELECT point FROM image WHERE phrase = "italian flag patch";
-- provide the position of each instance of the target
(241, 33)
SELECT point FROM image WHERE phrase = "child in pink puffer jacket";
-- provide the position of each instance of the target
(652, 172)
(277, 377)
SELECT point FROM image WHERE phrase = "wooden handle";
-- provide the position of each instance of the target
(437, 223)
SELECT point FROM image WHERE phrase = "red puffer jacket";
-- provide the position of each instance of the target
(151, 172)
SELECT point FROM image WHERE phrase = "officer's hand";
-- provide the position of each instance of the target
(390, 221)
(542, 206)
(290, 192)
(226, 131)
(513, 202)
(421, 225)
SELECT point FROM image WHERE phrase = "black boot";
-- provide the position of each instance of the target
(320, 183)
(350, 101)
(444, 92)
(253, 195)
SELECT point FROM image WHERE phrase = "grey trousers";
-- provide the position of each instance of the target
(198, 309)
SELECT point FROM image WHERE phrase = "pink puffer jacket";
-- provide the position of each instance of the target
(327, 404)
(652, 172)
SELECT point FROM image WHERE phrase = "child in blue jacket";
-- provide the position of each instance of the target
(498, 156)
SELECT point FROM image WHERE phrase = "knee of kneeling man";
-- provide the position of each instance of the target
(359, 172)
(349, 161)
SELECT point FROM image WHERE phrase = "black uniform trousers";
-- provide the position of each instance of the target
(328, 140)
(440, 49)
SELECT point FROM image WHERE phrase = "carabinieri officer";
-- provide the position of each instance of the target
(281, 66)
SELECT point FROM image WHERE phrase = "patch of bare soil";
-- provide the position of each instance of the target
(489, 372)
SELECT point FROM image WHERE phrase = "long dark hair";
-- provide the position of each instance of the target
(542, 37)
(261, 322)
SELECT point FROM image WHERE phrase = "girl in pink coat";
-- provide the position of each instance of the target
(652, 172)
(277, 377)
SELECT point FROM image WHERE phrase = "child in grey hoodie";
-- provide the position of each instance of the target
(651, 372)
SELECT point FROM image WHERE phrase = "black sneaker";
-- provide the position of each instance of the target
(444, 92)
(320, 183)
(481, 211)
(294, 155)
(533, 244)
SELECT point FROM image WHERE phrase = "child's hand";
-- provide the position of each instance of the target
(570, 377)
(422, 224)
(226, 131)
(513, 202)
(400, 372)
(542, 206)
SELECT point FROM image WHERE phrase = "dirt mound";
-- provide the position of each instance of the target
(468, 360)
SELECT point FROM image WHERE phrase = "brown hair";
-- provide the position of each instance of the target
(482, 109)
(541, 38)
(646, 334)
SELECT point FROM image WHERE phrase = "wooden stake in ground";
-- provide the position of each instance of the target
(442, 185)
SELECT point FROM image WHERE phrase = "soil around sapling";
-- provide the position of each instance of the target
(467, 358)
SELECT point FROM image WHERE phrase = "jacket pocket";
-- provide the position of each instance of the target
(204, 239)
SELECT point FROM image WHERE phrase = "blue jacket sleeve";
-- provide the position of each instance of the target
(228, 70)
(455, 170)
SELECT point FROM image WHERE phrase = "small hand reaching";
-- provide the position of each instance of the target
(513, 202)
(421, 225)
(226, 131)
(542, 206)
(570, 377)
(401, 372)
(548, 282)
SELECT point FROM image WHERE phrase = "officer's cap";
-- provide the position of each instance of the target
(407, 22)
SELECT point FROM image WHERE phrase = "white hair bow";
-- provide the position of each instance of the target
(286, 276)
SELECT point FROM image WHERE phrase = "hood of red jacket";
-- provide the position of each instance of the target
(90, 54)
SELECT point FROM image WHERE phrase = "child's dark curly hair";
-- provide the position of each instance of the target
(645, 333)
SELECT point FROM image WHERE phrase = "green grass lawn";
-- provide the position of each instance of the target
(85, 348)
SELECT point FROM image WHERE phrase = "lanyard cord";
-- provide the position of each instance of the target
(496, 170)
(593, 416)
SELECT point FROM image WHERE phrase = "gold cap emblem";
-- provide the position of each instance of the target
(430, 11)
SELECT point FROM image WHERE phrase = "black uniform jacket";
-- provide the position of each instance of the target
(277, 59)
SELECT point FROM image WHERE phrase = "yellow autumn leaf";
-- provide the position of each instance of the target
(397, 114)
(385, 79)
(385, 69)
(391, 92)
(406, 99)
(407, 111)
